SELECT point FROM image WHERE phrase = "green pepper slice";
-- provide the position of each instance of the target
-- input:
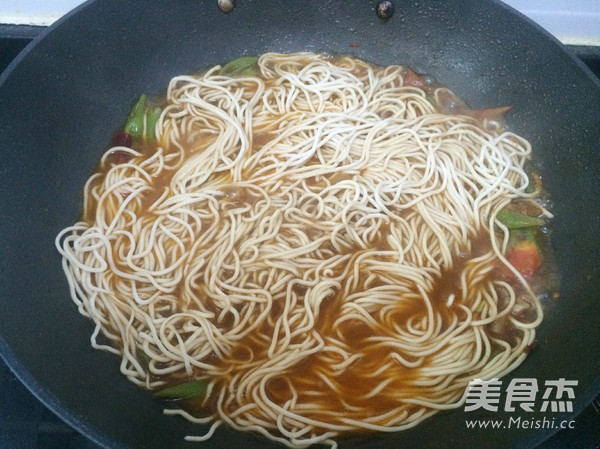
(515, 220)
(242, 66)
(194, 388)
(141, 121)
(134, 125)
(152, 116)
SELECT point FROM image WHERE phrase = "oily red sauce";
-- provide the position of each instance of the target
(356, 381)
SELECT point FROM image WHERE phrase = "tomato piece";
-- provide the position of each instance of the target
(525, 258)
(411, 78)
(121, 139)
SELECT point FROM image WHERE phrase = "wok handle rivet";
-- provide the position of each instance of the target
(226, 5)
(385, 9)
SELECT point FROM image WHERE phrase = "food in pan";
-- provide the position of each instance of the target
(309, 246)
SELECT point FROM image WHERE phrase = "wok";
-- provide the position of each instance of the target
(70, 90)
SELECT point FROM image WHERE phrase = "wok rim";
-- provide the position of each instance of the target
(52, 402)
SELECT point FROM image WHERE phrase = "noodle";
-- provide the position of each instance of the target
(319, 243)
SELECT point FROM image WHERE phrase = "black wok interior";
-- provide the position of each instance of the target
(64, 99)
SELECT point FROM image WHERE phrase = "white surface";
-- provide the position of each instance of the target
(575, 22)
(34, 12)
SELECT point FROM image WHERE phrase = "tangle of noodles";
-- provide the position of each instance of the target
(317, 242)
